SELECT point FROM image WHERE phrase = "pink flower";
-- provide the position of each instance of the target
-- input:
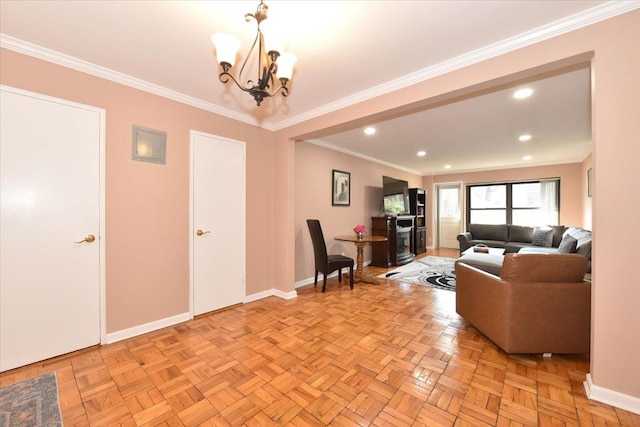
(360, 229)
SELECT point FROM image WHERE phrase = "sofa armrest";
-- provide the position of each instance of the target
(465, 239)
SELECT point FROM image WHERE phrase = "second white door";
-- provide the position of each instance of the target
(217, 223)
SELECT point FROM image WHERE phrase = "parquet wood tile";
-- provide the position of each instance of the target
(381, 355)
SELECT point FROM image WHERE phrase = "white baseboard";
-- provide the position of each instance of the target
(270, 293)
(610, 397)
(147, 327)
(259, 295)
(285, 295)
(310, 280)
(179, 318)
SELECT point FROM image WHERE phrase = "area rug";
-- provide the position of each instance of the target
(433, 271)
(31, 403)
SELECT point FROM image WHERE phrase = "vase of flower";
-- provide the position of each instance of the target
(360, 230)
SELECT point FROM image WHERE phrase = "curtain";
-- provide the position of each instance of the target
(549, 201)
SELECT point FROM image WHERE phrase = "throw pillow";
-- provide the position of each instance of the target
(542, 236)
(567, 245)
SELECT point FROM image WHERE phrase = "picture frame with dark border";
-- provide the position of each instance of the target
(589, 182)
(340, 188)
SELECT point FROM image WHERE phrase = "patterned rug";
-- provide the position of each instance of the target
(31, 403)
(429, 271)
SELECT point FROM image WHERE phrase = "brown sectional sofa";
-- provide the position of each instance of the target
(539, 303)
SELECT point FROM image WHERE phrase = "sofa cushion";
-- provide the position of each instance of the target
(567, 245)
(490, 243)
(584, 242)
(497, 232)
(513, 247)
(583, 236)
(542, 236)
(520, 233)
(538, 250)
(558, 233)
(486, 262)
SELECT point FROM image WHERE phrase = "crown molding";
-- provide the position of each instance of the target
(591, 16)
(553, 29)
(71, 62)
(330, 146)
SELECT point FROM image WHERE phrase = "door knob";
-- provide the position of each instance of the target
(90, 238)
(200, 232)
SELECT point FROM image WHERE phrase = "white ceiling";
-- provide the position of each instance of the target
(348, 51)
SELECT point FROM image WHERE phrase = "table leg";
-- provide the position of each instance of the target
(359, 275)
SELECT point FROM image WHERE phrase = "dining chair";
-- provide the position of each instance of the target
(325, 263)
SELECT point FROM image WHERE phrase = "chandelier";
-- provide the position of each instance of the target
(273, 62)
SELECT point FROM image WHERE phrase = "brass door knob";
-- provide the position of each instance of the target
(90, 238)
(200, 232)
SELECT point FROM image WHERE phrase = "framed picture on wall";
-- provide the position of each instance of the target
(589, 182)
(340, 188)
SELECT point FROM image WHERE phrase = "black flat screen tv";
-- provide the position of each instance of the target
(395, 196)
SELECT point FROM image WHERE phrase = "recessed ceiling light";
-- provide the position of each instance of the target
(370, 131)
(527, 158)
(422, 153)
(523, 93)
(447, 166)
(525, 137)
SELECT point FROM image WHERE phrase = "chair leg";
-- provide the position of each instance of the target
(339, 275)
(351, 277)
(315, 282)
(324, 284)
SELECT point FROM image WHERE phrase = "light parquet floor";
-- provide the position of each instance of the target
(381, 355)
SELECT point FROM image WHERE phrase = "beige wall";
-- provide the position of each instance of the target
(611, 47)
(571, 183)
(313, 168)
(147, 205)
(313, 200)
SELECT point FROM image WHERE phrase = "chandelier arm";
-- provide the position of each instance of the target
(284, 89)
(244, 63)
(230, 76)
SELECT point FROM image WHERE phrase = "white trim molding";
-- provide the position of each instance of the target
(184, 317)
(270, 293)
(310, 280)
(147, 327)
(570, 23)
(611, 397)
(73, 63)
(285, 295)
(587, 17)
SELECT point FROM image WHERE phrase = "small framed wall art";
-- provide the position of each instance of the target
(340, 188)
(589, 182)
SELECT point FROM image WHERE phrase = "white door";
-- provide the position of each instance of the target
(217, 222)
(449, 215)
(50, 170)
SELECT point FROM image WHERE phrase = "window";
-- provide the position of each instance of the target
(521, 203)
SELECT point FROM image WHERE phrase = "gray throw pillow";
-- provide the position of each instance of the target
(542, 236)
(567, 245)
